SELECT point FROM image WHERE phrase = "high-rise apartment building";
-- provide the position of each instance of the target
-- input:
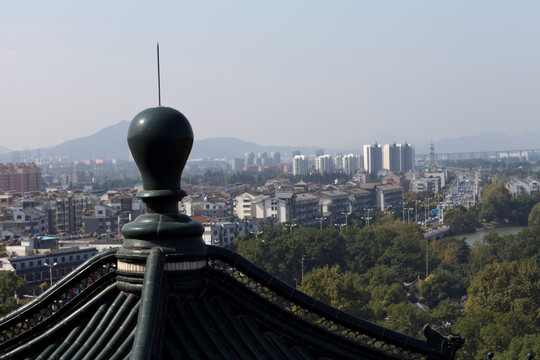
(21, 177)
(237, 165)
(406, 157)
(398, 158)
(338, 163)
(351, 163)
(300, 165)
(372, 158)
(391, 157)
(262, 158)
(323, 164)
(249, 158)
(276, 157)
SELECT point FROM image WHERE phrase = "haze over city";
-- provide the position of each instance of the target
(330, 74)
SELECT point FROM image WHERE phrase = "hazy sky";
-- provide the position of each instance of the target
(325, 73)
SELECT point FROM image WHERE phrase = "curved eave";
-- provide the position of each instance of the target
(229, 308)
(361, 337)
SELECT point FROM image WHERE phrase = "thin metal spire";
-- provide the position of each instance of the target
(158, 77)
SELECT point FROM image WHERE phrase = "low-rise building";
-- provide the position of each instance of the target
(102, 219)
(389, 196)
(44, 267)
(361, 199)
(522, 186)
(334, 204)
(306, 209)
(222, 233)
(205, 206)
(25, 221)
(249, 206)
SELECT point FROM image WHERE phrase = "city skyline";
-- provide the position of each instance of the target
(302, 73)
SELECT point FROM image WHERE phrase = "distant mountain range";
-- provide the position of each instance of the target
(111, 143)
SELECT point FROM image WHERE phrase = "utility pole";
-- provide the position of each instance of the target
(427, 258)
(416, 210)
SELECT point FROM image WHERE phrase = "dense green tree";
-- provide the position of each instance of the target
(385, 286)
(460, 220)
(520, 346)
(487, 331)
(120, 181)
(10, 285)
(507, 286)
(445, 314)
(504, 303)
(321, 248)
(534, 216)
(483, 252)
(382, 297)
(8, 306)
(366, 246)
(406, 254)
(521, 246)
(406, 319)
(381, 275)
(470, 326)
(339, 289)
(283, 253)
(440, 285)
(495, 203)
(521, 207)
(497, 334)
(450, 250)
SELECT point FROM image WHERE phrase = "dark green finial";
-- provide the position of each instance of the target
(160, 140)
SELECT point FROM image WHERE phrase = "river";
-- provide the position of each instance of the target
(479, 235)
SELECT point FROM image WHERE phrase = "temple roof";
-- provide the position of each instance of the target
(229, 309)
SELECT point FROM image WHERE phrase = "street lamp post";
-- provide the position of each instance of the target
(321, 219)
(346, 213)
(409, 214)
(50, 270)
(368, 217)
(340, 227)
(290, 226)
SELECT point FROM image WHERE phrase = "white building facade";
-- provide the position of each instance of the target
(300, 165)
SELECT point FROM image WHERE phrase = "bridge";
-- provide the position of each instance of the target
(440, 231)
(493, 154)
